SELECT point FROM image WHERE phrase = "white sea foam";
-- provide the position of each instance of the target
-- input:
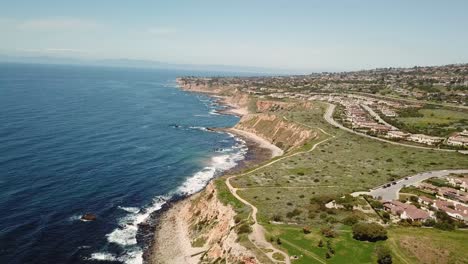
(130, 209)
(199, 128)
(74, 218)
(103, 256)
(214, 112)
(218, 164)
(125, 235)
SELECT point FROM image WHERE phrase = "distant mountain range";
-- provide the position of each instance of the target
(134, 63)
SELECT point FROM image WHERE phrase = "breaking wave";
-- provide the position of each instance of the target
(125, 235)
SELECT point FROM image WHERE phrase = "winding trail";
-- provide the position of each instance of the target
(329, 118)
(257, 236)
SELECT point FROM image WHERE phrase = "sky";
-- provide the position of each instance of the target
(296, 34)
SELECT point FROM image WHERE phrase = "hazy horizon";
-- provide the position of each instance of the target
(298, 36)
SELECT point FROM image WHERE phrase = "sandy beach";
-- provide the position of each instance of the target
(172, 242)
(262, 143)
(172, 238)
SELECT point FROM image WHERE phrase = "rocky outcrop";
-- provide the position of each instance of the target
(199, 229)
(273, 106)
(284, 134)
(200, 87)
(88, 217)
(211, 222)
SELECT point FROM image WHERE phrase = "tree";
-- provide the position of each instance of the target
(320, 243)
(369, 232)
(351, 219)
(328, 231)
(278, 241)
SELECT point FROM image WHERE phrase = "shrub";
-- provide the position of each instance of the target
(293, 213)
(369, 232)
(320, 243)
(306, 230)
(376, 204)
(383, 255)
(237, 219)
(244, 229)
(277, 218)
(429, 222)
(351, 219)
(278, 241)
(328, 232)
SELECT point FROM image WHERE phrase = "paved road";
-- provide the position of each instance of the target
(376, 116)
(329, 118)
(391, 193)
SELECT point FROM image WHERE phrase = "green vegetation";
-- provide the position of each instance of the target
(427, 245)
(342, 249)
(341, 165)
(431, 120)
(417, 191)
(296, 189)
(199, 242)
(369, 232)
(226, 197)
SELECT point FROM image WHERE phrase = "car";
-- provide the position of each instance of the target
(406, 178)
(394, 183)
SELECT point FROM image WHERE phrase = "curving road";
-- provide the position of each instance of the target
(391, 192)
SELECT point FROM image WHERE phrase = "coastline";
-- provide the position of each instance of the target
(168, 240)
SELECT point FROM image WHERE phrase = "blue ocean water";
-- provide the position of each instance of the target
(111, 141)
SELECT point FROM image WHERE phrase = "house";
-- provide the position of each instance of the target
(425, 200)
(405, 211)
(425, 139)
(397, 134)
(461, 182)
(456, 211)
(458, 140)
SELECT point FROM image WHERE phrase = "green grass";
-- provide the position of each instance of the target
(435, 116)
(428, 245)
(434, 245)
(342, 165)
(226, 197)
(347, 249)
(417, 191)
(436, 122)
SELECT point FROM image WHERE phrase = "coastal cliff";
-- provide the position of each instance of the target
(199, 229)
(285, 135)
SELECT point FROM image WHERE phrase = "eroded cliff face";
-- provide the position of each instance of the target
(202, 87)
(211, 223)
(284, 134)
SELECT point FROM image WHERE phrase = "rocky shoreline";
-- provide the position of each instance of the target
(167, 224)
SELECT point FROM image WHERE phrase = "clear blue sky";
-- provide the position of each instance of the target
(311, 35)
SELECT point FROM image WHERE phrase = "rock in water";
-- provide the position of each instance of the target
(88, 217)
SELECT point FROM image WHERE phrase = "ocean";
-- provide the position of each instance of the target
(114, 142)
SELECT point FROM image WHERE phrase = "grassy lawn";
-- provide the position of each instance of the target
(435, 116)
(305, 246)
(428, 245)
(408, 245)
(437, 122)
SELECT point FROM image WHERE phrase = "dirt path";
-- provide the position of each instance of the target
(329, 118)
(257, 237)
